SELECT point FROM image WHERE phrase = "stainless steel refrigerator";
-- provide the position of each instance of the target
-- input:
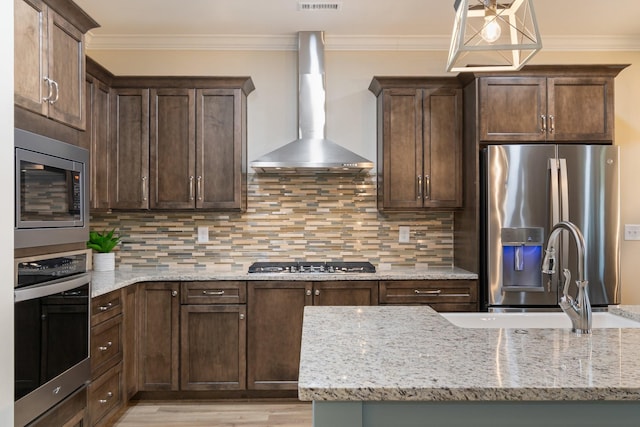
(526, 189)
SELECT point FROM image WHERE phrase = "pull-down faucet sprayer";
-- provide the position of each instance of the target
(578, 309)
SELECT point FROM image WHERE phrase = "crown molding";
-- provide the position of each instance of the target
(224, 42)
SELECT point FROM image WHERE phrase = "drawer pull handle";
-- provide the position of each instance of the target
(109, 396)
(105, 347)
(214, 293)
(429, 292)
(105, 307)
(241, 316)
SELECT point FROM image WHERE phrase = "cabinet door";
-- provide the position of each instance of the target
(213, 347)
(66, 69)
(172, 149)
(31, 59)
(274, 333)
(158, 340)
(96, 140)
(220, 164)
(512, 108)
(129, 340)
(345, 292)
(129, 149)
(402, 148)
(580, 109)
(442, 148)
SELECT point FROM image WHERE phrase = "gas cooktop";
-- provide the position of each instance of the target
(312, 267)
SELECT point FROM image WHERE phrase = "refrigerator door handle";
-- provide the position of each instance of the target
(564, 190)
(564, 210)
(555, 198)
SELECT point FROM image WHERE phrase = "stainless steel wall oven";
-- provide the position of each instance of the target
(52, 301)
(51, 191)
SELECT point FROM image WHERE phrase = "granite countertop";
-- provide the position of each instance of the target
(104, 282)
(411, 353)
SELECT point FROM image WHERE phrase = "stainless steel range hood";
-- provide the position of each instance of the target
(311, 152)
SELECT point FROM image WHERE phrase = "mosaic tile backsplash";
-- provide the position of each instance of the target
(297, 218)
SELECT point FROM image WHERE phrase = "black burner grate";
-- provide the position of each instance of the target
(312, 267)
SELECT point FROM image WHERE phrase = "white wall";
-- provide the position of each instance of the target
(351, 118)
(6, 215)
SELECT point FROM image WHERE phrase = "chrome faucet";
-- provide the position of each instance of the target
(578, 309)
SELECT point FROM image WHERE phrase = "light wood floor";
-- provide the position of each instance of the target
(218, 414)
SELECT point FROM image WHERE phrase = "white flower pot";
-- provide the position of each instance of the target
(104, 261)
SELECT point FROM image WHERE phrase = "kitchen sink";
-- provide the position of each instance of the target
(534, 320)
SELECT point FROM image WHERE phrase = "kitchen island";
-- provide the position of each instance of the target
(408, 366)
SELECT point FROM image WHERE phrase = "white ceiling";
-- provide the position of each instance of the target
(367, 24)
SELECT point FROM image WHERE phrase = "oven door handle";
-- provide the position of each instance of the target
(51, 288)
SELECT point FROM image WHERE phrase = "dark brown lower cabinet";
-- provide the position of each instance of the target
(71, 412)
(345, 292)
(441, 295)
(129, 340)
(158, 351)
(275, 311)
(274, 333)
(106, 399)
(213, 347)
(106, 396)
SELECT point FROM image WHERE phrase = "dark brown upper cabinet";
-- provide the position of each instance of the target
(49, 62)
(183, 147)
(419, 142)
(542, 104)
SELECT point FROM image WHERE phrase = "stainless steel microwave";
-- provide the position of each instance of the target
(51, 191)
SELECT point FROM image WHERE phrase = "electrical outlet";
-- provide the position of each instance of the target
(632, 232)
(403, 234)
(203, 234)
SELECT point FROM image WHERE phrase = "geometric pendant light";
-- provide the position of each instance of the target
(492, 36)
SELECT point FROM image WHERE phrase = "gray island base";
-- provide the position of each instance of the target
(407, 366)
(475, 414)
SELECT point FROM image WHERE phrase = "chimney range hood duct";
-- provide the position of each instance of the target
(311, 152)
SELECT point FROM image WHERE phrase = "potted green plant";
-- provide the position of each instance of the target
(103, 243)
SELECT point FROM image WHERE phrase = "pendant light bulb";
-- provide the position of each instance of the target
(491, 29)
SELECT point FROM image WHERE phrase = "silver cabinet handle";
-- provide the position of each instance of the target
(241, 316)
(144, 188)
(543, 120)
(419, 187)
(317, 292)
(190, 188)
(214, 293)
(308, 292)
(50, 89)
(109, 396)
(199, 188)
(552, 124)
(427, 179)
(55, 84)
(105, 347)
(105, 307)
(428, 292)
(174, 293)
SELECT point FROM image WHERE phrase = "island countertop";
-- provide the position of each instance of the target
(411, 353)
(104, 282)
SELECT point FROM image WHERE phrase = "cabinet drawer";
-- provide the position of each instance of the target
(105, 307)
(214, 292)
(428, 292)
(105, 395)
(106, 345)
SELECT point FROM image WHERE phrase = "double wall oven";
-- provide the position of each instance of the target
(52, 282)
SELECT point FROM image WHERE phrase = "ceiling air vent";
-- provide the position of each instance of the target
(316, 5)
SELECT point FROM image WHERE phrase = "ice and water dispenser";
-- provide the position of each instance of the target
(522, 251)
